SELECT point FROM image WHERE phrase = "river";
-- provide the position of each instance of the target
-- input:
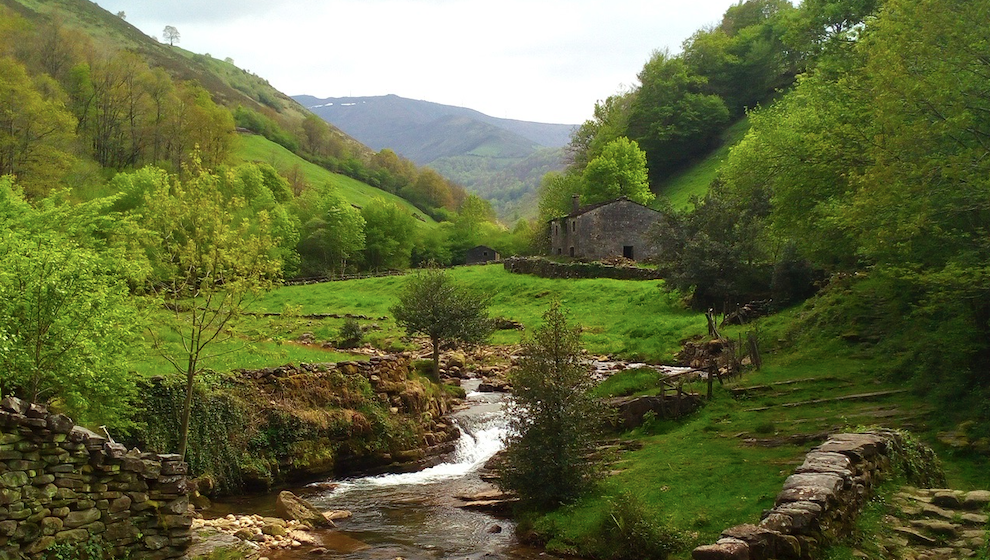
(415, 515)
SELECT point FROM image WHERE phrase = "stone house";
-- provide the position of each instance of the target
(615, 228)
(481, 254)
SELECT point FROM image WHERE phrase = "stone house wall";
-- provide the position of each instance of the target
(63, 484)
(617, 228)
(481, 254)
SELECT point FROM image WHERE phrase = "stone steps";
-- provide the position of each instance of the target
(935, 524)
(872, 395)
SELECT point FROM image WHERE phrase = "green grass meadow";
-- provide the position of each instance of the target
(695, 179)
(719, 467)
(632, 319)
(256, 148)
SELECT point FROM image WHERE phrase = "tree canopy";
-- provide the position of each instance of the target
(553, 418)
(67, 321)
(620, 170)
(432, 304)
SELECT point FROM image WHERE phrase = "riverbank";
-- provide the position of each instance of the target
(257, 429)
(413, 515)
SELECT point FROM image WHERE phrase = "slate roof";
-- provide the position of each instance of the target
(590, 207)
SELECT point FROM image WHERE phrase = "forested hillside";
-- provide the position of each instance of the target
(500, 160)
(864, 177)
(89, 100)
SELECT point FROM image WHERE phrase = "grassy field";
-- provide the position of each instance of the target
(694, 180)
(256, 148)
(721, 466)
(726, 463)
(636, 320)
(249, 350)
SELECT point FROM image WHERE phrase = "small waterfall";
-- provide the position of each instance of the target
(482, 427)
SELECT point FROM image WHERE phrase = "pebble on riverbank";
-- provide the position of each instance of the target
(267, 533)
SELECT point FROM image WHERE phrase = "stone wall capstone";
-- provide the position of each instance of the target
(817, 504)
(63, 484)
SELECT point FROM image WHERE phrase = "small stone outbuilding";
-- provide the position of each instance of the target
(481, 254)
(615, 228)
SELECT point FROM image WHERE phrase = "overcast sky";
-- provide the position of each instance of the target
(534, 60)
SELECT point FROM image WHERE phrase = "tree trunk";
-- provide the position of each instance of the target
(186, 410)
(436, 359)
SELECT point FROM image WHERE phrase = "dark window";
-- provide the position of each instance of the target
(560, 251)
(627, 251)
(572, 251)
(574, 225)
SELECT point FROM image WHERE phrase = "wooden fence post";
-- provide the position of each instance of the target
(754, 350)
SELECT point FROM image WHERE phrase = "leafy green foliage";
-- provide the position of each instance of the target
(746, 57)
(876, 165)
(629, 531)
(94, 548)
(66, 319)
(333, 238)
(211, 259)
(36, 130)
(719, 250)
(433, 304)
(216, 428)
(265, 126)
(388, 235)
(672, 117)
(620, 170)
(553, 418)
(350, 334)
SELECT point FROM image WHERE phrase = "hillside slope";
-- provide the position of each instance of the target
(501, 160)
(404, 125)
(255, 148)
(228, 85)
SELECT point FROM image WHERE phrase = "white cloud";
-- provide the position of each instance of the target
(541, 60)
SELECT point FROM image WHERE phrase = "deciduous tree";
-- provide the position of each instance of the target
(620, 170)
(553, 418)
(66, 319)
(334, 237)
(36, 133)
(673, 119)
(171, 35)
(211, 262)
(388, 234)
(431, 303)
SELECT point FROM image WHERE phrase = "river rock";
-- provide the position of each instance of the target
(338, 514)
(290, 506)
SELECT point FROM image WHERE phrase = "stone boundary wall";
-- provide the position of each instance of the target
(63, 484)
(818, 503)
(550, 269)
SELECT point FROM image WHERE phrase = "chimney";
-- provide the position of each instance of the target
(575, 202)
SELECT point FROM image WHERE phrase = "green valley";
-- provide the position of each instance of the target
(194, 265)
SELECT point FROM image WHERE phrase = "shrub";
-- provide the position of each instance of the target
(553, 419)
(350, 334)
(629, 530)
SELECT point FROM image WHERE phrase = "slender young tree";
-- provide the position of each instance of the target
(434, 305)
(212, 263)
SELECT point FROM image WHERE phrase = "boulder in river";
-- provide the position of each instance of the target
(290, 506)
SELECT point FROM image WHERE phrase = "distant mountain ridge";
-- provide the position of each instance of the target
(410, 127)
(499, 159)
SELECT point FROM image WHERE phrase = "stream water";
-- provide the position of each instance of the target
(415, 515)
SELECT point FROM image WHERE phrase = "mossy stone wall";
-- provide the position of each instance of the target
(61, 484)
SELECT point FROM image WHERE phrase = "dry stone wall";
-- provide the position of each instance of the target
(63, 484)
(550, 269)
(817, 504)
